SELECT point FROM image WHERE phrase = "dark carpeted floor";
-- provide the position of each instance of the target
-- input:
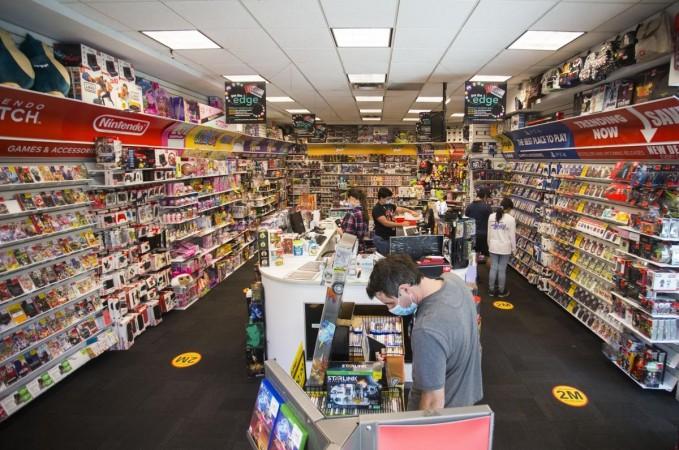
(137, 400)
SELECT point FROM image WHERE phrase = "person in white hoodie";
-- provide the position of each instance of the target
(501, 245)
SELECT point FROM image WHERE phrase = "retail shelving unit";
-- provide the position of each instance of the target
(52, 319)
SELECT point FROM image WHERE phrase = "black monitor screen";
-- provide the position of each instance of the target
(297, 223)
(417, 246)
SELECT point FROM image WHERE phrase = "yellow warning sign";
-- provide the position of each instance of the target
(570, 396)
(186, 359)
(503, 305)
(298, 368)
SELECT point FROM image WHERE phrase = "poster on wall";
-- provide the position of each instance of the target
(303, 124)
(245, 102)
(484, 102)
(320, 133)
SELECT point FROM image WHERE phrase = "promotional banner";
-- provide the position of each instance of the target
(645, 131)
(484, 102)
(423, 128)
(303, 124)
(245, 102)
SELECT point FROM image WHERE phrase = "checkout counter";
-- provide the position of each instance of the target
(294, 297)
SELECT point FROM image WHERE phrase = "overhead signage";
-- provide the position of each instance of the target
(423, 128)
(245, 102)
(484, 102)
(303, 124)
(645, 131)
(320, 133)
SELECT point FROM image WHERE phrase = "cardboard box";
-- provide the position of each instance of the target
(126, 71)
(110, 65)
(93, 87)
(79, 55)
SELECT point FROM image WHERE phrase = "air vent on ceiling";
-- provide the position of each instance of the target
(367, 86)
(406, 86)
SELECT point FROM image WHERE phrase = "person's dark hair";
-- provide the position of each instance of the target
(483, 193)
(358, 195)
(384, 193)
(391, 272)
(505, 205)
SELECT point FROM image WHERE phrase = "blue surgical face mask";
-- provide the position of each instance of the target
(399, 310)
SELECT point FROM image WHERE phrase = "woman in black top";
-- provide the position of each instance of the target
(479, 210)
(383, 215)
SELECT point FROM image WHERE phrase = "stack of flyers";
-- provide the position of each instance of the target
(288, 433)
(267, 408)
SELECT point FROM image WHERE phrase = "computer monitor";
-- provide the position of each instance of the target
(297, 223)
(417, 246)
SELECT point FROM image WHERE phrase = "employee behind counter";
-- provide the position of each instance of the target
(383, 215)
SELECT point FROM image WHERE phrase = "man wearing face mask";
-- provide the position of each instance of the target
(383, 215)
(445, 336)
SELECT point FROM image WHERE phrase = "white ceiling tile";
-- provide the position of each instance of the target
(214, 14)
(230, 69)
(510, 62)
(143, 15)
(209, 56)
(313, 56)
(423, 37)
(302, 38)
(409, 72)
(365, 60)
(462, 61)
(327, 80)
(360, 13)
(518, 15)
(483, 39)
(291, 81)
(630, 17)
(97, 16)
(598, 1)
(423, 55)
(277, 13)
(433, 13)
(582, 44)
(146, 41)
(240, 38)
(328, 65)
(578, 16)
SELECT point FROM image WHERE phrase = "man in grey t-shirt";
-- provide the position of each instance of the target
(445, 337)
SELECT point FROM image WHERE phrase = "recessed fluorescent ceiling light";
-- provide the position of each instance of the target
(182, 39)
(362, 37)
(245, 78)
(279, 99)
(410, 119)
(367, 77)
(429, 99)
(457, 115)
(372, 118)
(318, 118)
(417, 111)
(298, 111)
(369, 98)
(544, 40)
(367, 111)
(491, 78)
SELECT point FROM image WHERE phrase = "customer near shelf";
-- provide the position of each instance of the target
(445, 336)
(383, 216)
(501, 245)
(355, 221)
(479, 210)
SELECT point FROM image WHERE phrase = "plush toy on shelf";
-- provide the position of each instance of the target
(15, 67)
(50, 76)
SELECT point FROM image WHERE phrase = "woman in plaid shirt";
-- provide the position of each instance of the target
(354, 221)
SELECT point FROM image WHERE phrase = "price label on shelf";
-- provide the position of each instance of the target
(634, 237)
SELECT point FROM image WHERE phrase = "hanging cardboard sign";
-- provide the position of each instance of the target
(484, 102)
(245, 102)
(320, 133)
(303, 124)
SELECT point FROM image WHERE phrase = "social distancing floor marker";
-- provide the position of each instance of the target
(186, 359)
(570, 396)
(500, 304)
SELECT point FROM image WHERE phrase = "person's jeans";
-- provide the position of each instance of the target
(381, 244)
(498, 271)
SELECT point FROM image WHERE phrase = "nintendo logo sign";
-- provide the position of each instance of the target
(120, 125)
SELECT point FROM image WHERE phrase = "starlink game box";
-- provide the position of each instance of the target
(354, 385)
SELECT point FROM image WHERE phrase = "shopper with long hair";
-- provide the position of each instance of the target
(501, 245)
(355, 221)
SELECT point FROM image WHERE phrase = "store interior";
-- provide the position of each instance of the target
(184, 264)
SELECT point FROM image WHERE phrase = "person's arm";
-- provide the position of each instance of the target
(401, 210)
(430, 358)
(388, 223)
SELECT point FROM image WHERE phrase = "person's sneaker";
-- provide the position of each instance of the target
(492, 293)
(504, 293)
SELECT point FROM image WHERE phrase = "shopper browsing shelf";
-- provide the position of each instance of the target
(479, 210)
(355, 222)
(445, 336)
(383, 216)
(501, 245)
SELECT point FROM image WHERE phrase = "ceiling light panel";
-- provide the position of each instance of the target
(182, 39)
(369, 98)
(245, 78)
(279, 100)
(298, 111)
(417, 111)
(411, 119)
(459, 114)
(362, 37)
(544, 40)
(371, 111)
(425, 99)
(490, 78)
(371, 118)
(367, 77)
